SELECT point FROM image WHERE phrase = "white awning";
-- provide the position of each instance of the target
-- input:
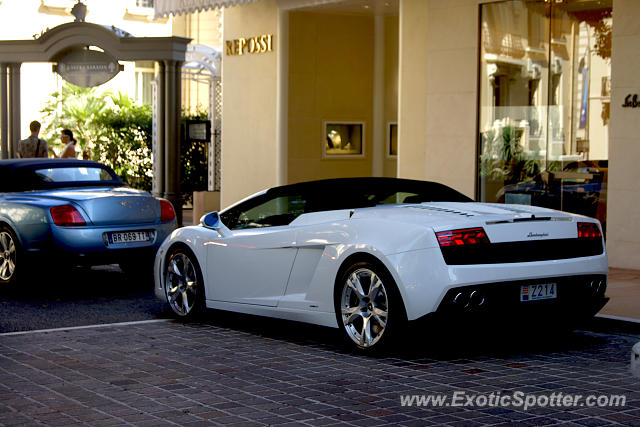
(178, 7)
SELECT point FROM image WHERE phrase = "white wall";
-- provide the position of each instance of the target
(452, 97)
(438, 92)
(623, 198)
(249, 143)
(412, 89)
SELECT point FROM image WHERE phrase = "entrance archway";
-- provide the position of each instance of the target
(203, 66)
(167, 52)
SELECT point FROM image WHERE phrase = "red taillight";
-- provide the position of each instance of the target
(588, 229)
(465, 236)
(67, 216)
(166, 211)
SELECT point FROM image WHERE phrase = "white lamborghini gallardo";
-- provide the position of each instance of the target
(368, 255)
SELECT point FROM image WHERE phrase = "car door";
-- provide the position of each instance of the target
(252, 264)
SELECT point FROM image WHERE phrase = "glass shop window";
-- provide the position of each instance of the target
(343, 139)
(545, 74)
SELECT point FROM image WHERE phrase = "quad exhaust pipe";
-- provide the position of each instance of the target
(597, 287)
(469, 300)
(475, 300)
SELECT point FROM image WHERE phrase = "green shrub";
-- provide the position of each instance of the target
(113, 129)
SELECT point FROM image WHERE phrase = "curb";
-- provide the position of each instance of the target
(71, 328)
(611, 323)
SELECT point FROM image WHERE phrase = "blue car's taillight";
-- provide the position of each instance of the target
(67, 216)
(166, 211)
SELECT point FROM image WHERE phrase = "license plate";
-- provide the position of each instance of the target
(129, 236)
(538, 292)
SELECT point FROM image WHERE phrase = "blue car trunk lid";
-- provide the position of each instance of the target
(111, 206)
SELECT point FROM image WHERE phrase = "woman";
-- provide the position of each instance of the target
(69, 151)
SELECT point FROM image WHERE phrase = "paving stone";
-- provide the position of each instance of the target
(208, 374)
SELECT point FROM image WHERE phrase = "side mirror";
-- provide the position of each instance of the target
(212, 221)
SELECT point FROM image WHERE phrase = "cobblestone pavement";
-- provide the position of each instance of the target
(244, 370)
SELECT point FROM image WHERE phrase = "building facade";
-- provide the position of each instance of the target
(518, 101)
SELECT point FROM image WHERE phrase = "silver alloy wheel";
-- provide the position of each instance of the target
(7, 256)
(364, 307)
(181, 284)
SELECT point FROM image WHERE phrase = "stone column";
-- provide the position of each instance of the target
(211, 147)
(379, 126)
(412, 89)
(4, 112)
(172, 114)
(158, 131)
(14, 109)
(215, 112)
(282, 100)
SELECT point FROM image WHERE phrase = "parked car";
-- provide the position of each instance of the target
(366, 255)
(580, 187)
(75, 212)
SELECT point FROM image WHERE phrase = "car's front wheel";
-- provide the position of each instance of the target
(369, 308)
(183, 283)
(9, 248)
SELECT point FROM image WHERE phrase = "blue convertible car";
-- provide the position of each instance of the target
(76, 211)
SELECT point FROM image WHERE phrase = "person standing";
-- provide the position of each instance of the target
(69, 151)
(33, 146)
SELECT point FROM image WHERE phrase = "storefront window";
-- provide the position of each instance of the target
(343, 139)
(392, 142)
(544, 104)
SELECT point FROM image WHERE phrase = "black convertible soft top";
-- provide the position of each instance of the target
(344, 193)
(19, 174)
(347, 193)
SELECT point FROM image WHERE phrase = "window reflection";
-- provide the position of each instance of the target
(544, 104)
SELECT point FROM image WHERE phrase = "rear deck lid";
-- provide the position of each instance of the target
(519, 234)
(111, 206)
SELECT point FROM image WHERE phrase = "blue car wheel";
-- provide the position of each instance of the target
(8, 255)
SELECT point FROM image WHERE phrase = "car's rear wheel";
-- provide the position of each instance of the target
(369, 308)
(9, 255)
(183, 283)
